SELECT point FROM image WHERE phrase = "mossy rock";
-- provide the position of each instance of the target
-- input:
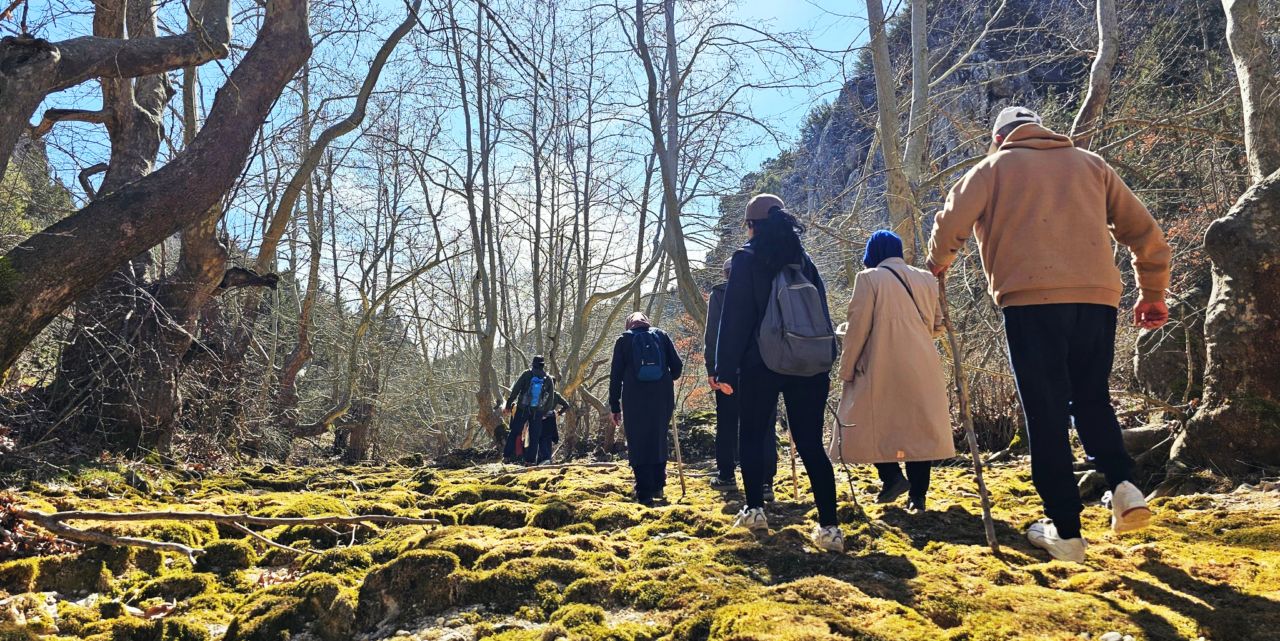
(339, 561)
(178, 587)
(552, 516)
(74, 575)
(468, 494)
(591, 590)
(576, 615)
(193, 534)
(19, 575)
(138, 629)
(499, 513)
(227, 556)
(615, 517)
(415, 584)
(515, 582)
(771, 621)
(304, 504)
(73, 619)
(425, 481)
(14, 632)
(317, 603)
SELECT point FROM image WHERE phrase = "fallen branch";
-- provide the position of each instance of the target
(56, 522)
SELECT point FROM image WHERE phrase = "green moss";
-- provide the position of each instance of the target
(305, 504)
(577, 615)
(499, 513)
(768, 621)
(317, 603)
(614, 517)
(20, 575)
(178, 586)
(194, 534)
(74, 575)
(227, 556)
(552, 516)
(73, 618)
(515, 582)
(467, 494)
(339, 561)
(416, 583)
(12, 631)
(138, 629)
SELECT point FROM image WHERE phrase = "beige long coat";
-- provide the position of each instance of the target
(894, 403)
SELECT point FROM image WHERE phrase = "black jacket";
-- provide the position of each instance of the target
(745, 301)
(647, 406)
(620, 369)
(712, 333)
(522, 384)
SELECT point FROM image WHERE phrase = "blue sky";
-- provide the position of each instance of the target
(832, 27)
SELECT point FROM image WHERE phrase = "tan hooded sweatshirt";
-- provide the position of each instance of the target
(1043, 211)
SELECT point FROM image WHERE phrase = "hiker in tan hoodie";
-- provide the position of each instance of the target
(1045, 214)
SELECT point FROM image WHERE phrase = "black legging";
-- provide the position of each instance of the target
(917, 474)
(805, 398)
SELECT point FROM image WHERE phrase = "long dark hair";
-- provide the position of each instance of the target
(776, 242)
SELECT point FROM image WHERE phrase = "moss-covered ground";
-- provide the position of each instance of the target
(546, 554)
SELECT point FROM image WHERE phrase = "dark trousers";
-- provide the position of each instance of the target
(805, 399)
(518, 422)
(918, 473)
(546, 444)
(1062, 356)
(651, 479)
(727, 416)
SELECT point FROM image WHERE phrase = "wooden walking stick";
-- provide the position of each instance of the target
(966, 416)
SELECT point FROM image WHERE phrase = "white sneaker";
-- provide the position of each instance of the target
(1129, 509)
(1043, 534)
(828, 538)
(752, 519)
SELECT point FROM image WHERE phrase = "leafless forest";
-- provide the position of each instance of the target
(341, 228)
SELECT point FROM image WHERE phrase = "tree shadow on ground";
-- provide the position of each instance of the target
(1220, 610)
(955, 525)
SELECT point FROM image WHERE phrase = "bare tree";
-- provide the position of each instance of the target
(1090, 115)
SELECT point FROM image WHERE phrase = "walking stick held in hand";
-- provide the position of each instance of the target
(966, 416)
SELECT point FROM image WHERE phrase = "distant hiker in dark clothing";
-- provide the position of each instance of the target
(776, 338)
(550, 430)
(642, 398)
(531, 397)
(1045, 215)
(894, 406)
(727, 406)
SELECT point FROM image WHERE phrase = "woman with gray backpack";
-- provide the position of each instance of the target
(642, 397)
(776, 338)
(893, 407)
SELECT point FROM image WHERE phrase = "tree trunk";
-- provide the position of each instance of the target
(1237, 427)
(898, 197)
(47, 272)
(1089, 118)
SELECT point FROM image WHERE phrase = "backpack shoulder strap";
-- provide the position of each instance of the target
(907, 287)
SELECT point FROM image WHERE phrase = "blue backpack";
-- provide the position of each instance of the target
(647, 356)
(533, 396)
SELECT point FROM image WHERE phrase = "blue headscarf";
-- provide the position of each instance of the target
(882, 245)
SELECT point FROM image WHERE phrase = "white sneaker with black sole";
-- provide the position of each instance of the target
(828, 538)
(1129, 511)
(752, 518)
(1044, 535)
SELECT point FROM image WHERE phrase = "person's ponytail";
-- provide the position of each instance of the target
(776, 241)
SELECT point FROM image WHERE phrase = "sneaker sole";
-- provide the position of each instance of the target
(1132, 520)
(1053, 556)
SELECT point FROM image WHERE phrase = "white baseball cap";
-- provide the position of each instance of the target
(1010, 115)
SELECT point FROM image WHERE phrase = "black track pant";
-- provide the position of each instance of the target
(1062, 356)
(727, 417)
(918, 473)
(651, 478)
(522, 418)
(805, 399)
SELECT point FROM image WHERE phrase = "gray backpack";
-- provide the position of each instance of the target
(796, 336)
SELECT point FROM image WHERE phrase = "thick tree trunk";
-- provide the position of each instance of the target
(1237, 427)
(47, 272)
